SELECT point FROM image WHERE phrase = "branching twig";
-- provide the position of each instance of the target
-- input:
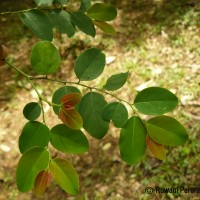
(41, 98)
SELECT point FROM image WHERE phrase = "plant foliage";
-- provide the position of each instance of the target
(84, 112)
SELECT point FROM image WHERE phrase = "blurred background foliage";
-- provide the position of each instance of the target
(158, 42)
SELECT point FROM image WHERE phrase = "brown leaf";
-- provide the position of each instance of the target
(2, 62)
(158, 150)
(41, 182)
(70, 100)
(3, 52)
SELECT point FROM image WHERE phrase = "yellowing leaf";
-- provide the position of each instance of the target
(64, 174)
(41, 182)
(71, 118)
(70, 100)
(158, 150)
(104, 26)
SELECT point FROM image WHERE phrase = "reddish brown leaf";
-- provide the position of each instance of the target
(158, 150)
(3, 52)
(2, 62)
(71, 118)
(70, 100)
(41, 182)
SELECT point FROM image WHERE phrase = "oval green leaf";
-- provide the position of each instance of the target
(116, 81)
(85, 5)
(83, 22)
(62, 2)
(68, 140)
(45, 58)
(30, 164)
(64, 174)
(41, 182)
(167, 131)
(90, 64)
(107, 28)
(38, 23)
(117, 112)
(132, 141)
(44, 3)
(91, 108)
(155, 101)
(102, 12)
(33, 134)
(157, 150)
(59, 93)
(60, 20)
(32, 111)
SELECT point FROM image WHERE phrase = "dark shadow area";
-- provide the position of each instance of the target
(142, 19)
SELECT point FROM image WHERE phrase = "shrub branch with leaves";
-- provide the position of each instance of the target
(88, 112)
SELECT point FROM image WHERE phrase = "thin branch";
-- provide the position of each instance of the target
(41, 98)
(86, 86)
(17, 11)
(36, 8)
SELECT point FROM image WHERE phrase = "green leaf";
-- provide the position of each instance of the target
(155, 101)
(45, 58)
(44, 3)
(83, 22)
(158, 150)
(34, 134)
(116, 81)
(104, 26)
(117, 112)
(68, 140)
(90, 108)
(60, 20)
(38, 23)
(30, 164)
(102, 12)
(64, 174)
(90, 64)
(85, 5)
(71, 118)
(41, 182)
(132, 141)
(59, 93)
(62, 2)
(32, 111)
(166, 130)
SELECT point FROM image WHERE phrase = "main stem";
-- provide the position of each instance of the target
(83, 85)
(17, 11)
(36, 8)
(41, 98)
